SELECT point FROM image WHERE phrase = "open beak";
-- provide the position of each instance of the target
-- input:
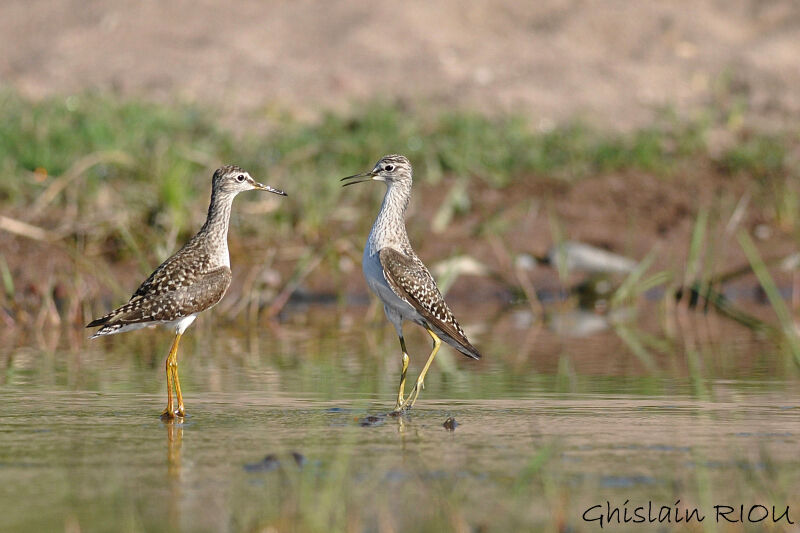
(358, 178)
(262, 187)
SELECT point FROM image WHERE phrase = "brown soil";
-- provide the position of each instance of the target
(631, 214)
(613, 62)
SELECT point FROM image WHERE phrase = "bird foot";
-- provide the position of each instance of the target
(168, 414)
(398, 407)
(411, 400)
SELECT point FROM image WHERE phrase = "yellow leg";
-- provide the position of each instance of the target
(178, 395)
(172, 378)
(167, 413)
(412, 397)
(401, 392)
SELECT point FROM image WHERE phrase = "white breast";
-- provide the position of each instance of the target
(373, 273)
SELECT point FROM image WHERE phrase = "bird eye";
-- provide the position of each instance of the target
(388, 168)
(240, 177)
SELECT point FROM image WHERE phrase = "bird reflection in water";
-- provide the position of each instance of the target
(174, 444)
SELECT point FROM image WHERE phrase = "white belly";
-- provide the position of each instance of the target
(393, 304)
(181, 324)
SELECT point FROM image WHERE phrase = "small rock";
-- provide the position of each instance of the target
(299, 459)
(450, 424)
(580, 257)
(267, 464)
(762, 232)
(371, 420)
(271, 462)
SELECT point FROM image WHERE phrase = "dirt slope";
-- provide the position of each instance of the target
(610, 61)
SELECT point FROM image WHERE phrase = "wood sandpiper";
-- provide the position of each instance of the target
(194, 279)
(399, 278)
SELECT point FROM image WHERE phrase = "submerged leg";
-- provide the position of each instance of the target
(178, 395)
(172, 378)
(401, 392)
(166, 412)
(412, 397)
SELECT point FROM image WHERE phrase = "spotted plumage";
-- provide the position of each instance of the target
(167, 300)
(398, 277)
(194, 279)
(413, 283)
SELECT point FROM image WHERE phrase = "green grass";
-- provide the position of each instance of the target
(169, 143)
(125, 182)
(164, 154)
(773, 294)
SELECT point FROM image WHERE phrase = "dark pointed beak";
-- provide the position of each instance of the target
(358, 178)
(262, 187)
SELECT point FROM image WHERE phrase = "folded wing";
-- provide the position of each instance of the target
(411, 281)
(167, 302)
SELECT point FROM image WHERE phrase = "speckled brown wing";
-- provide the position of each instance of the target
(184, 268)
(411, 281)
(173, 301)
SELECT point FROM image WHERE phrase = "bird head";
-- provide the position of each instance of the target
(233, 180)
(389, 169)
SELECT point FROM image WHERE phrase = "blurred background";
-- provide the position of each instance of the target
(608, 192)
(612, 124)
(616, 63)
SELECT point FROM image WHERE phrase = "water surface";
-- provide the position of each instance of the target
(287, 431)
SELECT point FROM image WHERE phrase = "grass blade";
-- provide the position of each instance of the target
(772, 292)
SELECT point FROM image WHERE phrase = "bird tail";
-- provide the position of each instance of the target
(107, 330)
(466, 348)
(98, 321)
(110, 325)
(113, 320)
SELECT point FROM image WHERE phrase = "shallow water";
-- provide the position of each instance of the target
(540, 438)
